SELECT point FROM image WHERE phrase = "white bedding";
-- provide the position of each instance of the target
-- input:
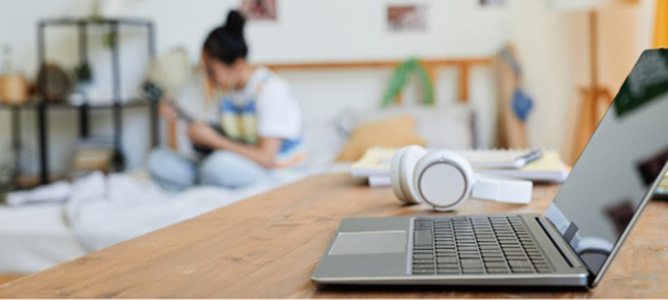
(106, 210)
(102, 211)
(35, 237)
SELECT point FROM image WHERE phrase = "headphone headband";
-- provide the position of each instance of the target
(502, 189)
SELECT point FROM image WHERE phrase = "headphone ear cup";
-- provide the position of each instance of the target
(395, 174)
(401, 172)
(411, 157)
(443, 179)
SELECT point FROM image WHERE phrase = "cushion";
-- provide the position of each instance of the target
(392, 132)
(448, 127)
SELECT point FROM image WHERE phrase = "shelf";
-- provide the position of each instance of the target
(116, 105)
(90, 21)
(129, 103)
(24, 181)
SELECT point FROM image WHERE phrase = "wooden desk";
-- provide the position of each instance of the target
(268, 246)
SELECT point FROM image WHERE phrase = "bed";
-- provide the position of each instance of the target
(34, 238)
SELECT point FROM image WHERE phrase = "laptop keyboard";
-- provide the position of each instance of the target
(475, 245)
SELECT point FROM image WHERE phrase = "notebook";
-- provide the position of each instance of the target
(375, 165)
(374, 162)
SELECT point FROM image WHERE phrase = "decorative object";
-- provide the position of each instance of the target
(13, 85)
(13, 89)
(83, 73)
(409, 17)
(514, 105)
(522, 104)
(109, 9)
(400, 78)
(259, 9)
(492, 2)
(84, 78)
(53, 83)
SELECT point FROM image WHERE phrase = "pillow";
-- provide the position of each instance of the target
(393, 132)
(449, 127)
(322, 142)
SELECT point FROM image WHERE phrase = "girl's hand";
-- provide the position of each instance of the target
(167, 111)
(202, 134)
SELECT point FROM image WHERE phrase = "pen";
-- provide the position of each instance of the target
(529, 157)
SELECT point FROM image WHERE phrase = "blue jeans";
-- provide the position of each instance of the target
(175, 172)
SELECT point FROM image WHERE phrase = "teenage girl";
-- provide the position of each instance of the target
(255, 125)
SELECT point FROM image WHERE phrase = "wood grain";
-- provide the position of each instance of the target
(374, 64)
(269, 245)
(7, 278)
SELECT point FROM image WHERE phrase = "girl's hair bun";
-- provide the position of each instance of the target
(234, 24)
(226, 43)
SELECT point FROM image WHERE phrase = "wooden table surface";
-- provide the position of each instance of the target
(269, 245)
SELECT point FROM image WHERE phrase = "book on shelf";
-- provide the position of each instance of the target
(93, 154)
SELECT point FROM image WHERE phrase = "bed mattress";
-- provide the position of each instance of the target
(35, 237)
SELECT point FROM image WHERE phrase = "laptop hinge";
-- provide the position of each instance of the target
(561, 244)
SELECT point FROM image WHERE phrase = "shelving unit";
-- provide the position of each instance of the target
(116, 103)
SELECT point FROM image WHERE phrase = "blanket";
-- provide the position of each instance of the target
(105, 210)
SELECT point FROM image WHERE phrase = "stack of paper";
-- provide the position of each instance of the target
(548, 168)
(375, 165)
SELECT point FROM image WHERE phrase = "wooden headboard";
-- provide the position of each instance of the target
(432, 66)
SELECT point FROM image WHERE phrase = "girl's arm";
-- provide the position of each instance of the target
(263, 153)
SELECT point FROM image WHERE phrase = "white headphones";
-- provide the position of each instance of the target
(444, 180)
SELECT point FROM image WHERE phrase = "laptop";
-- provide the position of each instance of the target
(572, 244)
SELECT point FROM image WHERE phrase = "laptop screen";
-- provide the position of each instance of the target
(619, 166)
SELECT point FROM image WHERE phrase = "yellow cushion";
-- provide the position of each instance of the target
(393, 132)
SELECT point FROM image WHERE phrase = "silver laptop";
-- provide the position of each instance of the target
(572, 244)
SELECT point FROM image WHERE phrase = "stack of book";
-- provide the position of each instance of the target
(547, 167)
(92, 155)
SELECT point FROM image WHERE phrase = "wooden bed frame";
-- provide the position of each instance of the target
(432, 66)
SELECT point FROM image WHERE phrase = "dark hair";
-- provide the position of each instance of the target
(226, 43)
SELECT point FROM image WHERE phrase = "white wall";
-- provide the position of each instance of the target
(550, 45)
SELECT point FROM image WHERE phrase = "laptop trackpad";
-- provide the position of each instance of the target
(369, 242)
